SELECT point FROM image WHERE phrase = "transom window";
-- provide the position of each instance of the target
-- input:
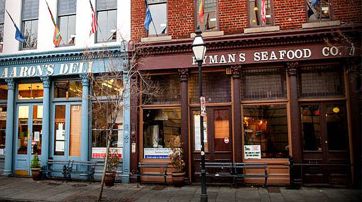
(210, 20)
(107, 20)
(67, 18)
(161, 89)
(158, 10)
(2, 15)
(260, 13)
(30, 23)
(318, 10)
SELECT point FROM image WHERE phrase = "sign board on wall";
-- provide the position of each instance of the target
(156, 153)
(100, 152)
(252, 152)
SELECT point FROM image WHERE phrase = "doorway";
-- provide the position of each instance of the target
(217, 137)
(325, 143)
(28, 136)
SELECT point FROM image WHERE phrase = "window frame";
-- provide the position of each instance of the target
(70, 41)
(271, 12)
(216, 14)
(330, 17)
(23, 46)
(97, 11)
(159, 2)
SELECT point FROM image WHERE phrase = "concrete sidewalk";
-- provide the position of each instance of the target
(25, 189)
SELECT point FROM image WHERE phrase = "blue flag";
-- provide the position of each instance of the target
(148, 19)
(314, 2)
(18, 35)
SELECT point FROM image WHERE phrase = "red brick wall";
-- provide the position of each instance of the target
(233, 15)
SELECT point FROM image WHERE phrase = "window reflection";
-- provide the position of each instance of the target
(30, 91)
(318, 10)
(158, 11)
(67, 89)
(30, 23)
(210, 15)
(67, 21)
(107, 20)
(260, 13)
(107, 87)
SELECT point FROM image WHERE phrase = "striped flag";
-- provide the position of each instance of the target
(57, 38)
(94, 24)
(263, 12)
(18, 35)
(201, 12)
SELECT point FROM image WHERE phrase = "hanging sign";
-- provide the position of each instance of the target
(252, 152)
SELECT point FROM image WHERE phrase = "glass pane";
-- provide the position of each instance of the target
(222, 141)
(31, 9)
(210, 16)
(260, 13)
(336, 127)
(197, 135)
(160, 127)
(30, 91)
(107, 87)
(67, 7)
(59, 129)
(30, 31)
(3, 92)
(75, 130)
(102, 31)
(2, 11)
(3, 110)
(67, 29)
(23, 129)
(318, 10)
(267, 126)
(164, 89)
(67, 89)
(311, 129)
(37, 129)
(159, 17)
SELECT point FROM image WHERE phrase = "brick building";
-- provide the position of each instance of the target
(281, 77)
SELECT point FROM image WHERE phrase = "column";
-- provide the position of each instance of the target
(84, 153)
(236, 107)
(46, 121)
(8, 168)
(294, 122)
(134, 125)
(184, 75)
(126, 129)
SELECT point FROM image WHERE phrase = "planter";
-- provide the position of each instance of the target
(178, 179)
(36, 173)
(109, 179)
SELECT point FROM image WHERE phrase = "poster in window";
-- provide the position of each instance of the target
(156, 153)
(59, 146)
(197, 135)
(252, 152)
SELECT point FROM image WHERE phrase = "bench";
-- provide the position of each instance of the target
(69, 167)
(162, 173)
(235, 171)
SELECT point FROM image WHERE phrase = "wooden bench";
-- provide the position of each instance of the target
(162, 173)
(69, 167)
(235, 171)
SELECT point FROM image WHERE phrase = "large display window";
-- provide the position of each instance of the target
(30, 91)
(3, 113)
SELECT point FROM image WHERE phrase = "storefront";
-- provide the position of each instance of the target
(59, 105)
(267, 99)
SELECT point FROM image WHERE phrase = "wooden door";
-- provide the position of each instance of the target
(218, 137)
(325, 143)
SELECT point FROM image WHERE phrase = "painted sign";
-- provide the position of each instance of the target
(100, 152)
(252, 152)
(156, 153)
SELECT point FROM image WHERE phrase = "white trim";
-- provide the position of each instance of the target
(261, 29)
(156, 38)
(209, 34)
(321, 24)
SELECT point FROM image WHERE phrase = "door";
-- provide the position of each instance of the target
(217, 137)
(325, 143)
(28, 136)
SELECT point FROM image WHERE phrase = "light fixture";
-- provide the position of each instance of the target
(198, 47)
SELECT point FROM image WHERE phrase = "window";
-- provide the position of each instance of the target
(30, 23)
(266, 126)
(107, 87)
(75, 130)
(30, 91)
(107, 20)
(3, 92)
(210, 15)
(158, 9)
(3, 110)
(161, 89)
(67, 89)
(268, 83)
(160, 127)
(2, 16)
(59, 128)
(67, 18)
(260, 13)
(318, 10)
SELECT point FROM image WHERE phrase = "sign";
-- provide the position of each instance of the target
(203, 106)
(252, 152)
(156, 153)
(100, 152)
(197, 135)
(226, 140)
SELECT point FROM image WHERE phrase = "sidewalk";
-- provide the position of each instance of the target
(25, 189)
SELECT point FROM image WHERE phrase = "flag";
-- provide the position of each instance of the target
(310, 11)
(201, 12)
(148, 18)
(263, 12)
(207, 26)
(18, 35)
(57, 38)
(94, 24)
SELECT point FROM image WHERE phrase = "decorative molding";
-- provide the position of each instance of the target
(11, 84)
(235, 71)
(85, 79)
(292, 68)
(46, 81)
(184, 74)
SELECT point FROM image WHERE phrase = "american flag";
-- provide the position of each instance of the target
(263, 12)
(94, 24)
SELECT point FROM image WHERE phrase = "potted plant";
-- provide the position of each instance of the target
(112, 165)
(176, 157)
(35, 167)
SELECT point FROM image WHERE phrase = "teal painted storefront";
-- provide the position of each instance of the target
(33, 121)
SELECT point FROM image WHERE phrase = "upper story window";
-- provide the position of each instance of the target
(158, 11)
(260, 13)
(206, 15)
(29, 23)
(107, 20)
(318, 10)
(67, 18)
(2, 16)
